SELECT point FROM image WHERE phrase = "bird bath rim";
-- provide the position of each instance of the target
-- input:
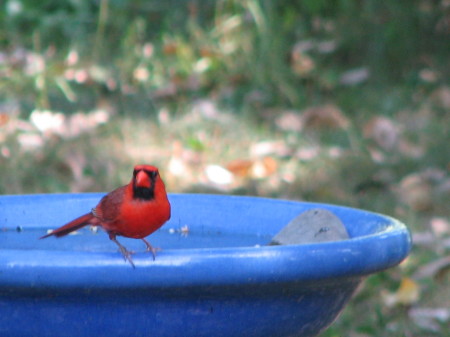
(384, 245)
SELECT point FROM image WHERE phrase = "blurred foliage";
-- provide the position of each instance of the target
(338, 101)
(283, 52)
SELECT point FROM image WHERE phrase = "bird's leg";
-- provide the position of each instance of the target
(150, 248)
(126, 253)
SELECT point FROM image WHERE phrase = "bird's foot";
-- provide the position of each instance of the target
(151, 249)
(125, 252)
(127, 255)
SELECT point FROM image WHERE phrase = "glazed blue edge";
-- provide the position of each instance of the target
(384, 244)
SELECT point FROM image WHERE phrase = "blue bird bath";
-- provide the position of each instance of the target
(216, 277)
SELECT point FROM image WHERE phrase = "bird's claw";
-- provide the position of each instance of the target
(151, 249)
(127, 255)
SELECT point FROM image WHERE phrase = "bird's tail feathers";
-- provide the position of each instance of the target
(75, 224)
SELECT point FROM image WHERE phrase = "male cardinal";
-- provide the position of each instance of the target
(135, 210)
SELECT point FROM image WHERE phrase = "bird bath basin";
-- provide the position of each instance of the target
(215, 275)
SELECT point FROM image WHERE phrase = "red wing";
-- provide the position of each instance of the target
(108, 208)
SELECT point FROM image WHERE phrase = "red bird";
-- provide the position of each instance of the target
(135, 210)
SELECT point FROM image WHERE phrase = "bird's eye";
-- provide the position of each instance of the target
(152, 174)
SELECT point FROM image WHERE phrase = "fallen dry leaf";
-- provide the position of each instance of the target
(5, 151)
(208, 109)
(148, 50)
(326, 116)
(218, 175)
(170, 48)
(80, 123)
(258, 168)
(30, 141)
(268, 148)
(428, 75)
(47, 121)
(433, 269)
(290, 121)
(301, 63)
(4, 119)
(430, 318)
(354, 76)
(141, 74)
(327, 47)
(440, 226)
(50, 122)
(177, 166)
(416, 192)
(410, 149)
(308, 153)
(383, 131)
(408, 293)
(441, 97)
(264, 168)
(240, 167)
(425, 238)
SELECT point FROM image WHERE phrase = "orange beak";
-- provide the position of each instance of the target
(142, 180)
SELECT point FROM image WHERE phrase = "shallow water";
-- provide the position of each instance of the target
(88, 240)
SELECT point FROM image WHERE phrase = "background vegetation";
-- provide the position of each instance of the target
(341, 101)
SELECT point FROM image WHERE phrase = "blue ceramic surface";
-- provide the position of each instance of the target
(216, 279)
